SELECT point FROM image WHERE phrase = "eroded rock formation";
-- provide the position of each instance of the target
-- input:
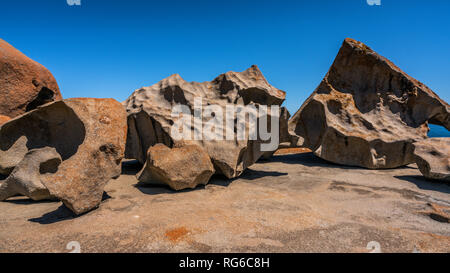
(24, 84)
(26, 176)
(180, 168)
(150, 120)
(433, 158)
(367, 112)
(88, 134)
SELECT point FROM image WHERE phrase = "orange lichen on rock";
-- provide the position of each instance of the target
(175, 235)
(25, 84)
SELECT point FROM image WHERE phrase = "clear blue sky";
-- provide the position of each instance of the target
(108, 48)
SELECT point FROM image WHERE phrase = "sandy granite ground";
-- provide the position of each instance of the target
(290, 203)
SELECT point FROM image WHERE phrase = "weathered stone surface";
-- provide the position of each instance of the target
(4, 119)
(433, 158)
(150, 121)
(291, 203)
(26, 176)
(90, 136)
(367, 112)
(180, 168)
(24, 84)
(285, 137)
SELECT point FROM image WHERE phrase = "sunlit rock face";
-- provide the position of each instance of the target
(367, 112)
(150, 118)
(180, 168)
(88, 136)
(24, 83)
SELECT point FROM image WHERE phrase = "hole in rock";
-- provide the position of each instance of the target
(45, 95)
(258, 96)
(438, 131)
(50, 166)
(439, 218)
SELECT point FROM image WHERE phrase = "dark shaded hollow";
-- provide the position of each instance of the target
(144, 132)
(258, 96)
(44, 96)
(56, 125)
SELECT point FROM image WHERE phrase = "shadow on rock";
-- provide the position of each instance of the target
(426, 184)
(28, 201)
(250, 174)
(160, 189)
(131, 167)
(311, 160)
(216, 180)
(58, 215)
(308, 160)
(61, 214)
(105, 196)
(221, 180)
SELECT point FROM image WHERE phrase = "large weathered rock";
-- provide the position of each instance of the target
(24, 84)
(181, 168)
(433, 158)
(150, 120)
(4, 119)
(89, 134)
(367, 112)
(26, 176)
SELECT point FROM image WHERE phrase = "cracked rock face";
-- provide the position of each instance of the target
(180, 168)
(26, 176)
(150, 116)
(433, 158)
(367, 112)
(24, 83)
(88, 134)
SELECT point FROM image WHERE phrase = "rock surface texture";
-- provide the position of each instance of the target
(367, 112)
(150, 117)
(88, 134)
(277, 206)
(433, 158)
(180, 168)
(24, 84)
(4, 119)
(285, 137)
(26, 176)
